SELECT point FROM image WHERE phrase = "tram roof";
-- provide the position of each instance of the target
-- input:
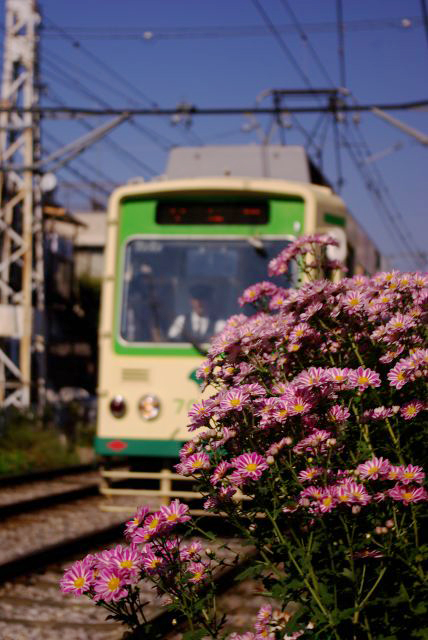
(282, 162)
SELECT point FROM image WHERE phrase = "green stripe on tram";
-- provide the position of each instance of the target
(331, 218)
(125, 447)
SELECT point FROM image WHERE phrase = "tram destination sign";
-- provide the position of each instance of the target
(212, 212)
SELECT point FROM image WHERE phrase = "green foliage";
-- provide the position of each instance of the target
(29, 443)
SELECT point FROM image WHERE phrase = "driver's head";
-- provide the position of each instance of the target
(199, 296)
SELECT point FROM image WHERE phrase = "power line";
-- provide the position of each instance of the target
(47, 111)
(306, 40)
(135, 161)
(146, 33)
(162, 141)
(341, 43)
(100, 63)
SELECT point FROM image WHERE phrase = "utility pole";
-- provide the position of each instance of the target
(21, 215)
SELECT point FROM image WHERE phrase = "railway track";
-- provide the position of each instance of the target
(31, 605)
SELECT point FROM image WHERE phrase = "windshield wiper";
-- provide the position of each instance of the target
(257, 244)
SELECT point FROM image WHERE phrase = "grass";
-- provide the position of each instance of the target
(31, 443)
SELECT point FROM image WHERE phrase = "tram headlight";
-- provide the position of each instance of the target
(149, 407)
(118, 406)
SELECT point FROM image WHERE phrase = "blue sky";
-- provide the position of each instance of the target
(95, 52)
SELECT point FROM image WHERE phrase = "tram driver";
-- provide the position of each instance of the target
(197, 325)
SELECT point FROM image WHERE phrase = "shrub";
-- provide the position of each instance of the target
(313, 446)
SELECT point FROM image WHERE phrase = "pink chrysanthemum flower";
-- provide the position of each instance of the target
(201, 411)
(198, 572)
(407, 495)
(175, 513)
(379, 413)
(398, 375)
(363, 378)
(187, 449)
(152, 562)
(197, 462)
(220, 471)
(153, 525)
(298, 405)
(315, 442)
(250, 465)
(411, 409)
(299, 331)
(309, 474)
(393, 472)
(128, 560)
(337, 413)
(353, 301)
(372, 469)
(411, 474)
(358, 493)
(191, 551)
(314, 376)
(338, 376)
(78, 579)
(255, 291)
(234, 399)
(264, 614)
(136, 521)
(110, 586)
(328, 500)
(314, 493)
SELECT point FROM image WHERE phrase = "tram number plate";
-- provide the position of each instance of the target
(183, 405)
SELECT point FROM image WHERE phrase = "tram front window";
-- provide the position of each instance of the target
(184, 290)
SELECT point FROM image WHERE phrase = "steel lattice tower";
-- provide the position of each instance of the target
(21, 215)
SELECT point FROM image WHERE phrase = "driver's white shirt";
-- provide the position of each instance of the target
(199, 325)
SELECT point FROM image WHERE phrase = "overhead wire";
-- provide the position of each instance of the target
(162, 141)
(148, 33)
(60, 75)
(101, 64)
(377, 191)
(341, 43)
(112, 72)
(84, 163)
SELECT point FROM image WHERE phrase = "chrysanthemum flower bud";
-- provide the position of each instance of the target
(356, 509)
(270, 459)
(389, 524)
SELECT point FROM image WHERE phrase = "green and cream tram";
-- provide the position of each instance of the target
(179, 252)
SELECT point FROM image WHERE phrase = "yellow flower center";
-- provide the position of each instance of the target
(251, 466)
(235, 402)
(327, 501)
(127, 564)
(298, 407)
(373, 470)
(154, 523)
(363, 380)
(407, 495)
(113, 583)
(79, 582)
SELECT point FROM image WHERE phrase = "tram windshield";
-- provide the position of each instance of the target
(184, 290)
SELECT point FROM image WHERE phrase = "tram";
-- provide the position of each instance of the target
(180, 250)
